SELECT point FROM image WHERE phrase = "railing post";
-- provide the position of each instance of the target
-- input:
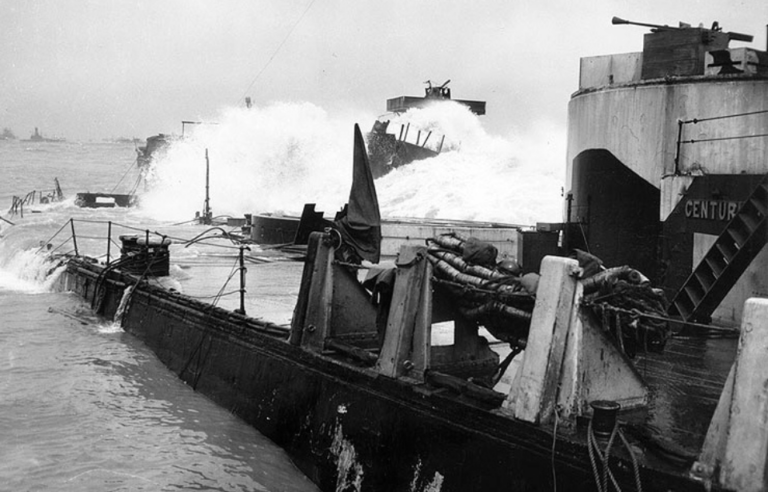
(679, 142)
(74, 237)
(243, 271)
(109, 239)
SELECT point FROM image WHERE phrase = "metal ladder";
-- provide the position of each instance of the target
(730, 255)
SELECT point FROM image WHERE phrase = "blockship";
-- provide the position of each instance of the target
(388, 151)
(580, 377)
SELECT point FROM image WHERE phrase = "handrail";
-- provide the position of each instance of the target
(238, 267)
(695, 121)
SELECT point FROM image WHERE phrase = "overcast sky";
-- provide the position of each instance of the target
(87, 69)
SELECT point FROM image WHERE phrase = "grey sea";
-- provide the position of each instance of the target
(83, 405)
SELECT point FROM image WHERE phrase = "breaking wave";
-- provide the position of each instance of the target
(276, 158)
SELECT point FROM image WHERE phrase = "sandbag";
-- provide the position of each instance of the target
(479, 252)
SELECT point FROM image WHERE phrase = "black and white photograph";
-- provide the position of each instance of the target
(374, 246)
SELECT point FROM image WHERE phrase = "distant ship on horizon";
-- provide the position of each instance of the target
(38, 137)
(7, 134)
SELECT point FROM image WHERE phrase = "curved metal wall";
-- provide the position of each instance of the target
(614, 213)
(638, 124)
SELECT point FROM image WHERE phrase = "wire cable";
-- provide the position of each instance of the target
(276, 51)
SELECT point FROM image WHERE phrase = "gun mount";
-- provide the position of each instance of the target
(432, 94)
(438, 92)
(732, 36)
(681, 51)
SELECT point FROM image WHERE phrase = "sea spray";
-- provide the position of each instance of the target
(261, 160)
(488, 178)
(29, 271)
(275, 159)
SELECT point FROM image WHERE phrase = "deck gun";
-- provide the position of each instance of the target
(732, 36)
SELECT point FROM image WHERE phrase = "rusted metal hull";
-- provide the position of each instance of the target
(104, 200)
(386, 153)
(348, 428)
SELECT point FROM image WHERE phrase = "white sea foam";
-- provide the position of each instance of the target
(270, 159)
(27, 271)
(276, 158)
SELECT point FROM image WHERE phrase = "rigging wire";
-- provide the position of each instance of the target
(125, 174)
(309, 6)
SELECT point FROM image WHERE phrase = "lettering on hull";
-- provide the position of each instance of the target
(724, 210)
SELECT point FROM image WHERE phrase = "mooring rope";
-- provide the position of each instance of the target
(601, 457)
(709, 330)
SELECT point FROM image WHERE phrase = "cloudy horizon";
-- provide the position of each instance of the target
(88, 70)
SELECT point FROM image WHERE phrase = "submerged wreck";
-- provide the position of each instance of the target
(575, 377)
(387, 151)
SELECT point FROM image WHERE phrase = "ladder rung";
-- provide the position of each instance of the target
(760, 205)
(693, 295)
(714, 267)
(750, 223)
(684, 312)
(703, 280)
(737, 237)
(727, 254)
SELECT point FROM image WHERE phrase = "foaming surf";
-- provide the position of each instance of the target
(261, 160)
(276, 158)
(29, 272)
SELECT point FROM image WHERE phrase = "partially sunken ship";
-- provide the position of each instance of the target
(573, 373)
(387, 151)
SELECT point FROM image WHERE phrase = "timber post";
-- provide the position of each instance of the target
(735, 451)
(406, 348)
(333, 310)
(568, 360)
(531, 397)
(316, 323)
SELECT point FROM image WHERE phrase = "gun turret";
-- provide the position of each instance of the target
(732, 36)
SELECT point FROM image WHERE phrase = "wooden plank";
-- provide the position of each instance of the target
(404, 313)
(540, 370)
(746, 452)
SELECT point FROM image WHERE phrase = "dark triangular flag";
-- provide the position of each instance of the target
(360, 223)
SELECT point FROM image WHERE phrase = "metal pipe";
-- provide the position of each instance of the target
(109, 239)
(425, 140)
(74, 237)
(207, 207)
(243, 271)
(677, 152)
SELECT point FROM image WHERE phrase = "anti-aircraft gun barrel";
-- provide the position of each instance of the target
(619, 20)
(732, 36)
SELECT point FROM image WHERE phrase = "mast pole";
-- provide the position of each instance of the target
(207, 207)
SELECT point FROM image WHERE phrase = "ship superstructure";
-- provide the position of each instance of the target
(667, 154)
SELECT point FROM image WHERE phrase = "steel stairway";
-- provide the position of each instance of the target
(730, 255)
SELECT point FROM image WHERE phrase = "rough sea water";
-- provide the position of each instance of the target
(86, 406)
